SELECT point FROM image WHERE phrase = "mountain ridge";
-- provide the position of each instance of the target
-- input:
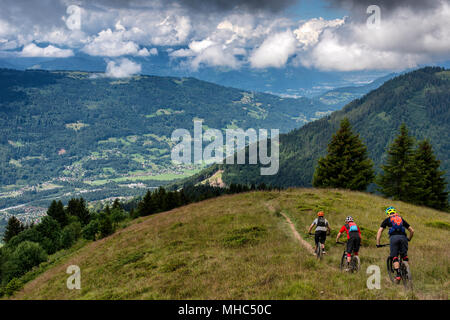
(419, 99)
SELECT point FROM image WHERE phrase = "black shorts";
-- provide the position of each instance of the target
(398, 245)
(353, 244)
(320, 236)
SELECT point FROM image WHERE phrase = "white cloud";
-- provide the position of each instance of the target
(208, 52)
(405, 39)
(199, 46)
(231, 38)
(274, 51)
(123, 68)
(112, 44)
(309, 32)
(32, 50)
(215, 56)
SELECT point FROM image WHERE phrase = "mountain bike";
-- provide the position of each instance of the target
(405, 272)
(355, 262)
(319, 250)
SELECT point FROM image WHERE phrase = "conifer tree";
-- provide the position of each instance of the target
(78, 208)
(106, 227)
(147, 206)
(13, 228)
(57, 212)
(399, 177)
(346, 165)
(430, 180)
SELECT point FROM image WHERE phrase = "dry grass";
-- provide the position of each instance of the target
(241, 247)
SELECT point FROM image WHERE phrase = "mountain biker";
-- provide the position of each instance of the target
(353, 237)
(398, 242)
(322, 227)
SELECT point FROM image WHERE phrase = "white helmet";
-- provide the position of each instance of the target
(349, 219)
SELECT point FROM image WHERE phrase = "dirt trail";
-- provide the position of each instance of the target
(304, 243)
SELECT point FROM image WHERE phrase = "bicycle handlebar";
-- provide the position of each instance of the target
(338, 242)
(382, 245)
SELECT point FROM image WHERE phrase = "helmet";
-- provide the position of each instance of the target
(320, 214)
(390, 211)
(349, 219)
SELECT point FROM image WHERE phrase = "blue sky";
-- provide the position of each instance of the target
(308, 9)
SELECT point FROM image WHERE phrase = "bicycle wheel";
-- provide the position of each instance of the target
(356, 263)
(319, 251)
(343, 262)
(406, 275)
(390, 269)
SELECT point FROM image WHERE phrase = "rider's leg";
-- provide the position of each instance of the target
(324, 238)
(350, 249)
(395, 248)
(404, 249)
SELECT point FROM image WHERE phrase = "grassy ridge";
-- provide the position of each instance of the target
(240, 247)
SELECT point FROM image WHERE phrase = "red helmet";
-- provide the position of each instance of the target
(320, 214)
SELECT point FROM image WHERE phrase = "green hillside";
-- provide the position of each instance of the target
(66, 132)
(241, 247)
(420, 99)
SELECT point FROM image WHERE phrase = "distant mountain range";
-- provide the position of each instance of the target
(420, 99)
(293, 81)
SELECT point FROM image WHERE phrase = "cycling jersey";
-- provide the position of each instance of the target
(351, 229)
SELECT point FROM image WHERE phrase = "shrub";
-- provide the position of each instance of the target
(90, 230)
(12, 286)
(26, 256)
(70, 234)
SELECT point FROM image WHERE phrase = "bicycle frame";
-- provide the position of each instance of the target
(354, 265)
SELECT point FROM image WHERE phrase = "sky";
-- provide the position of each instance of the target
(328, 35)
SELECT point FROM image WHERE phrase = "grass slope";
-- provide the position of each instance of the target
(241, 247)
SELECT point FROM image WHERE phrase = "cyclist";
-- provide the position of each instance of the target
(398, 242)
(322, 227)
(353, 237)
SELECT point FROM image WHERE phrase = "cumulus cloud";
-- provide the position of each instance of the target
(207, 52)
(123, 68)
(274, 51)
(113, 44)
(32, 50)
(406, 39)
(231, 33)
(309, 32)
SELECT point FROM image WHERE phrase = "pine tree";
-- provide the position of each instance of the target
(106, 227)
(398, 179)
(117, 205)
(147, 206)
(431, 182)
(78, 208)
(57, 212)
(13, 228)
(346, 165)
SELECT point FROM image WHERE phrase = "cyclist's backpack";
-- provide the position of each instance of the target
(321, 222)
(397, 224)
(352, 227)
